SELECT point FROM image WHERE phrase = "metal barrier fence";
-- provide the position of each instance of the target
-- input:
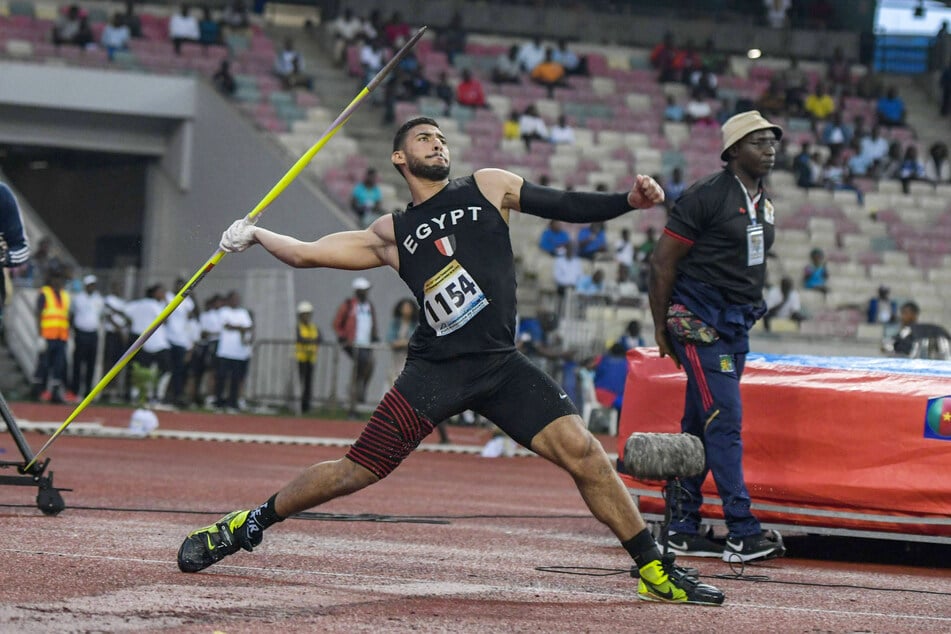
(274, 380)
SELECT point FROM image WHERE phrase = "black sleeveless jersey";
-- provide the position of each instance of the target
(456, 257)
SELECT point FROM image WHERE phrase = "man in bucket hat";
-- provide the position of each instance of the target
(706, 292)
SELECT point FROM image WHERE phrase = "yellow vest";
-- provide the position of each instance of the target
(54, 320)
(306, 348)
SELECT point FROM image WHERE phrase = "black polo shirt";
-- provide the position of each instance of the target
(713, 217)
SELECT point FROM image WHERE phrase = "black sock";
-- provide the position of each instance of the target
(642, 548)
(264, 515)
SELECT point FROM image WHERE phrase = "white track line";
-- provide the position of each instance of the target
(96, 430)
(415, 585)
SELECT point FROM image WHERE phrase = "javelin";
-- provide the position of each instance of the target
(276, 191)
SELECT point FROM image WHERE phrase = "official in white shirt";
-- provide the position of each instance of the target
(156, 349)
(86, 311)
(180, 345)
(234, 351)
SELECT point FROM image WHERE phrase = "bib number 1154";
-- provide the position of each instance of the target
(451, 299)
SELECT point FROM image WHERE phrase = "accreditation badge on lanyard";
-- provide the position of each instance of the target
(755, 238)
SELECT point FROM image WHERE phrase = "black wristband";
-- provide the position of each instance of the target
(556, 204)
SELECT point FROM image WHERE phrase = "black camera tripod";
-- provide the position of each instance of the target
(48, 498)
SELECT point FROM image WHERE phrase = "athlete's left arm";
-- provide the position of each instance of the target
(510, 191)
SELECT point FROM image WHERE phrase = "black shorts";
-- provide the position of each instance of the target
(504, 387)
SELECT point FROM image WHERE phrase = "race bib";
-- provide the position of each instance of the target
(451, 299)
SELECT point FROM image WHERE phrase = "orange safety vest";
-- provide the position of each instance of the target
(54, 320)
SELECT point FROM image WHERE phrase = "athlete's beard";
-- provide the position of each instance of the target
(430, 172)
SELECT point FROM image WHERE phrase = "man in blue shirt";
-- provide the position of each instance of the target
(366, 200)
(891, 109)
(553, 238)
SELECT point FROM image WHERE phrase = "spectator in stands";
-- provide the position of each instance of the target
(591, 284)
(346, 29)
(571, 61)
(890, 166)
(815, 276)
(674, 187)
(223, 80)
(305, 352)
(776, 12)
(592, 239)
(870, 85)
(914, 339)
(372, 55)
(782, 302)
(836, 176)
(115, 36)
(610, 376)
(632, 336)
(532, 127)
(624, 249)
(452, 39)
(796, 82)
(622, 290)
(703, 82)
(396, 30)
(673, 111)
(131, 20)
(508, 68)
(882, 309)
(873, 148)
(566, 269)
(836, 134)
(85, 310)
(209, 29)
(233, 352)
(553, 238)
(911, 169)
(445, 92)
(945, 83)
(289, 67)
(510, 129)
(819, 104)
(646, 248)
(469, 92)
(686, 62)
(698, 111)
(712, 58)
(235, 15)
(662, 58)
(183, 27)
(937, 167)
(531, 54)
(549, 73)
(67, 25)
(890, 109)
(562, 132)
(366, 198)
(839, 73)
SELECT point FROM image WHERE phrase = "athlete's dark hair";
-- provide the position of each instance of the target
(400, 135)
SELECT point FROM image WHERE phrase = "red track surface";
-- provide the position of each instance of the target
(96, 570)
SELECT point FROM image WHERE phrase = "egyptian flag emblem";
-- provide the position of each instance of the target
(446, 245)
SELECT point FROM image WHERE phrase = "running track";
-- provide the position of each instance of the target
(464, 562)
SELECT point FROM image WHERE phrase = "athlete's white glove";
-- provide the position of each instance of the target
(41, 345)
(238, 237)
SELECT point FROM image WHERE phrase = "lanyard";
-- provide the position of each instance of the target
(750, 202)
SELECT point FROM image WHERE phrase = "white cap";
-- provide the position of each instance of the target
(305, 307)
(89, 279)
(361, 284)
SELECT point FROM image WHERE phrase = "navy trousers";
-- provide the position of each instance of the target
(713, 411)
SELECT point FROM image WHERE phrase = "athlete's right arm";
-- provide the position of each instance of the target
(349, 250)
